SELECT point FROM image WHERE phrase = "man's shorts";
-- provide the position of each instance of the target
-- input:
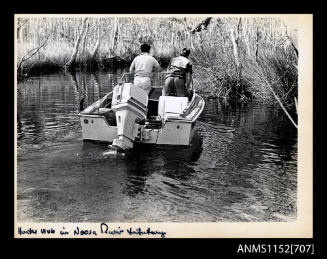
(143, 82)
(175, 86)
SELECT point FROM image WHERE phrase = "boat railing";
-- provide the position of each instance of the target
(157, 78)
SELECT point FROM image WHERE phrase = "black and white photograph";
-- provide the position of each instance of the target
(175, 125)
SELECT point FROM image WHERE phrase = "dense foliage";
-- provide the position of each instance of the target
(234, 58)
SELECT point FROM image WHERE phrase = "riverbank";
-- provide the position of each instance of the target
(44, 67)
(217, 81)
(55, 59)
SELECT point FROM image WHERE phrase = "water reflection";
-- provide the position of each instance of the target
(241, 165)
(173, 162)
(255, 155)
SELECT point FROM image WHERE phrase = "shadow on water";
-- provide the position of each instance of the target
(241, 165)
(173, 162)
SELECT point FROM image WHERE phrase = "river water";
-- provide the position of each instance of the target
(241, 165)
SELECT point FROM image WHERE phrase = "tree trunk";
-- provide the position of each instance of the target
(72, 62)
(20, 25)
(247, 40)
(97, 46)
(235, 42)
(191, 41)
(115, 35)
(235, 48)
(291, 34)
(84, 38)
(257, 44)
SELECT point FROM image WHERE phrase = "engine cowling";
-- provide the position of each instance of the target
(130, 105)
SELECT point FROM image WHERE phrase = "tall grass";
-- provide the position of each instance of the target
(267, 59)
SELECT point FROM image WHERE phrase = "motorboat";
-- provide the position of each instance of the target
(128, 115)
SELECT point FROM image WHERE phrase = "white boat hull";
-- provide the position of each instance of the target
(175, 130)
(95, 127)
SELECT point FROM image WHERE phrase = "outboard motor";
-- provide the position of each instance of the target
(130, 105)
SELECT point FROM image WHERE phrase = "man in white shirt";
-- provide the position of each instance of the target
(142, 66)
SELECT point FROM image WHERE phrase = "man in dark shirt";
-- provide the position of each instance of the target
(178, 77)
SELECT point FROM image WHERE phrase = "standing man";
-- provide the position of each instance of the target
(143, 65)
(179, 75)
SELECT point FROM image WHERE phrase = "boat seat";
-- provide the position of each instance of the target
(171, 106)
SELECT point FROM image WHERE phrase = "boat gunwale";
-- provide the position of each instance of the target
(96, 105)
(194, 116)
(179, 118)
